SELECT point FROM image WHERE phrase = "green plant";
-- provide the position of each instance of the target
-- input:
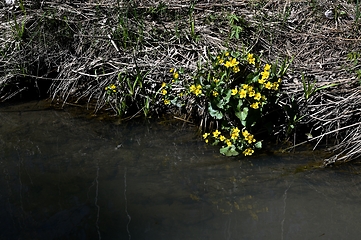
(310, 88)
(192, 22)
(19, 28)
(236, 29)
(233, 90)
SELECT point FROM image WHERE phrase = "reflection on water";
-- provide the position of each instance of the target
(65, 177)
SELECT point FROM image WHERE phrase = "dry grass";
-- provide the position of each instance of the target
(83, 47)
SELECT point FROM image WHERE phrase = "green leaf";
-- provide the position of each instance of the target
(258, 144)
(224, 101)
(229, 151)
(244, 114)
(238, 107)
(214, 113)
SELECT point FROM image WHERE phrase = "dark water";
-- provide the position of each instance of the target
(67, 177)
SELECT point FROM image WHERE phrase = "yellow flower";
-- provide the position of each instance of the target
(242, 93)
(261, 81)
(164, 84)
(248, 152)
(228, 142)
(258, 96)
(236, 130)
(175, 75)
(245, 86)
(220, 61)
(264, 98)
(234, 91)
(250, 89)
(245, 134)
(275, 86)
(268, 85)
(216, 134)
(250, 139)
(215, 93)
(267, 67)
(198, 92)
(236, 69)
(171, 70)
(222, 138)
(265, 75)
(228, 64)
(205, 135)
(234, 136)
(164, 92)
(279, 80)
(113, 86)
(181, 94)
(234, 62)
(206, 140)
(255, 105)
(226, 54)
(251, 93)
(251, 59)
(192, 88)
(215, 80)
(166, 102)
(199, 86)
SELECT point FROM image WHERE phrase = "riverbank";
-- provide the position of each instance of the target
(81, 52)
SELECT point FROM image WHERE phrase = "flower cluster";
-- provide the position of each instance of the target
(233, 89)
(229, 62)
(233, 140)
(264, 79)
(111, 89)
(251, 59)
(197, 90)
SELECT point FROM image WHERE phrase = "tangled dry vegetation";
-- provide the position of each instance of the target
(78, 48)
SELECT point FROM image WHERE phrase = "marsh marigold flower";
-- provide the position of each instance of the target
(245, 134)
(250, 139)
(255, 105)
(275, 86)
(248, 152)
(228, 64)
(216, 134)
(242, 93)
(261, 81)
(251, 59)
(164, 84)
(222, 138)
(267, 67)
(175, 75)
(164, 92)
(205, 135)
(235, 133)
(268, 85)
(251, 93)
(228, 142)
(166, 101)
(258, 96)
(235, 69)
(234, 91)
(215, 93)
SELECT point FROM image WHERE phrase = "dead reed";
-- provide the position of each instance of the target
(82, 47)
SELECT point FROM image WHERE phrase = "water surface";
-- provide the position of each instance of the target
(69, 177)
